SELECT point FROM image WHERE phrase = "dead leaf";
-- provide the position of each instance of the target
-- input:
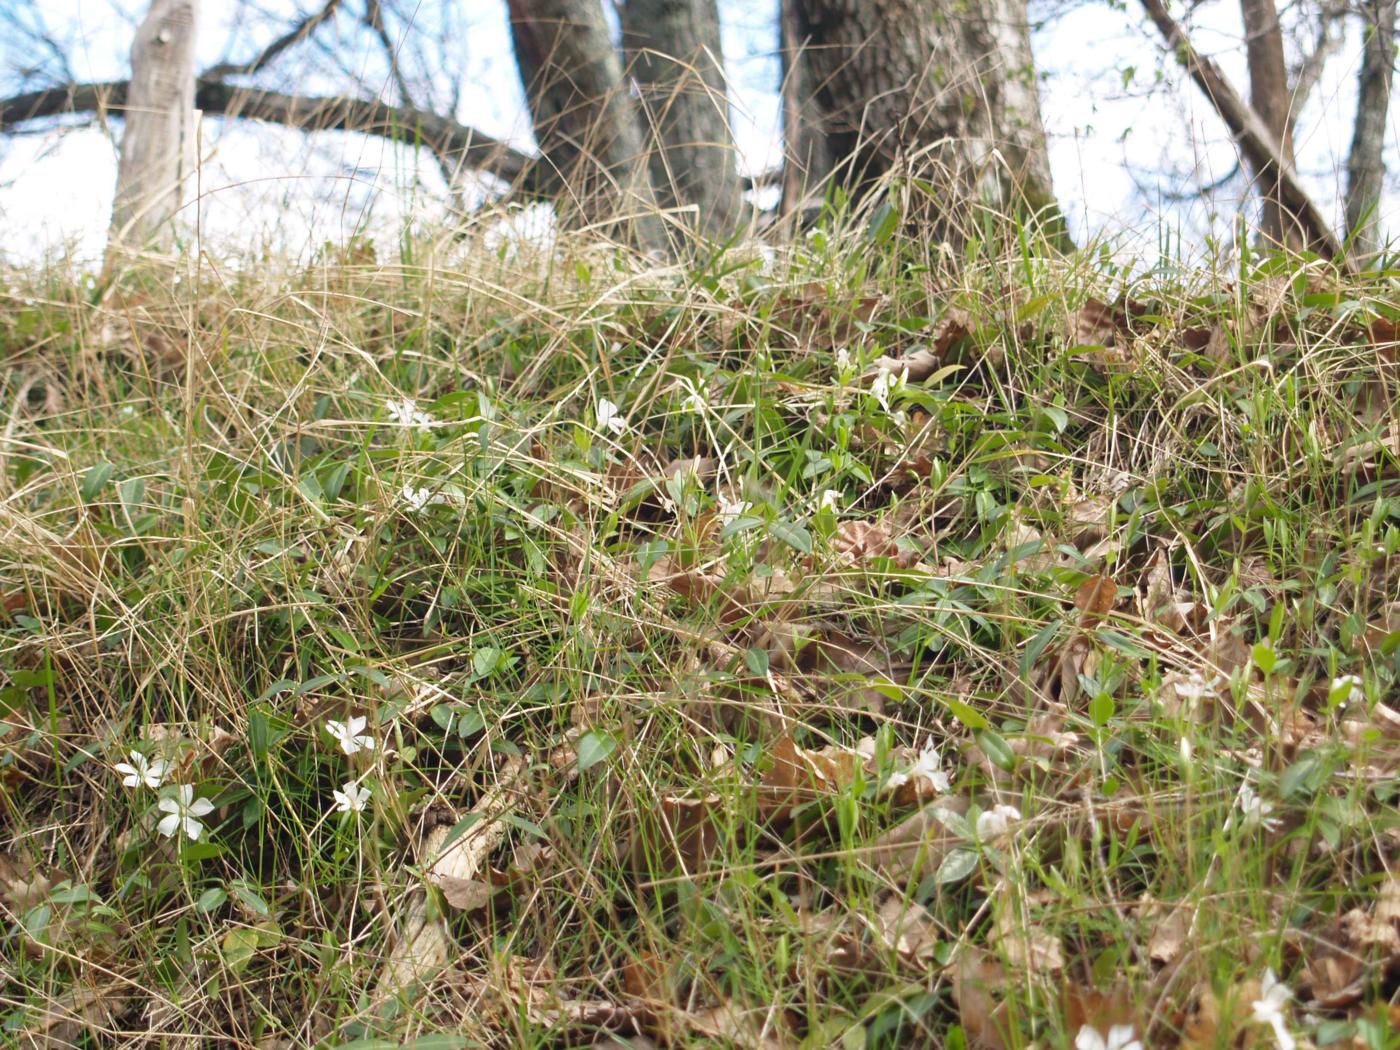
(1026, 946)
(977, 978)
(680, 832)
(921, 841)
(1170, 926)
(1095, 598)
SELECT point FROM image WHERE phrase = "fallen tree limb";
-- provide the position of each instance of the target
(471, 148)
(1253, 138)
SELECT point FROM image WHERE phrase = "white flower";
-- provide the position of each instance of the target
(1347, 689)
(928, 766)
(830, 499)
(352, 797)
(415, 500)
(1256, 811)
(406, 413)
(1196, 688)
(181, 811)
(1268, 1009)
(886, 384)
(1120, 1037)
(348, 734)
(610, 417)
(138, 771)
(844, 366)
(694, 401)
(729, 509)
(996, 821)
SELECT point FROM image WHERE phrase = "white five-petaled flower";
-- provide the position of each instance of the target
(348, 734)
(406, 413)
(995, 822)
(610, 417)
(1348, 687)
(729, 509)
(182, 812)
(351, 798)
(830, 499)
(694, 401)
(928, 766)
(1120, 1037)
(139, 771)
(1256, 810)
(885, 384)
(415, 500)
(1268, 1009)
(1196, 688)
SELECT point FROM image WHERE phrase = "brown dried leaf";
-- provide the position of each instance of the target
(920, 841)
(977, 980)
(1094, 598)
(1169, 931)
(1026, 946)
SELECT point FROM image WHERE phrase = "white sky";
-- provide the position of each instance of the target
(1116, 141)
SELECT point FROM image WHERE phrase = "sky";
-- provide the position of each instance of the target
(1126, 132)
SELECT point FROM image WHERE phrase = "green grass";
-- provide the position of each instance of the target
(1109, 557)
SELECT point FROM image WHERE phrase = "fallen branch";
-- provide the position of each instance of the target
(444, 136)
(1254, 139)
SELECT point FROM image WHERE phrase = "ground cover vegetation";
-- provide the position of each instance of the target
(873, 643)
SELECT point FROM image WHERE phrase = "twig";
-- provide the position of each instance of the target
(291, 38)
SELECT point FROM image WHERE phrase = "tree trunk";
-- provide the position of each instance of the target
(807, 159)
(1365, 163)
(1270, 98)
(157, 149)
(585, 122)
(930, 85)
(675, 56)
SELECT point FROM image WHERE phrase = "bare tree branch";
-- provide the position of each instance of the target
(1256, 143)
(1330, 19)
(476, 150)
(290, 38)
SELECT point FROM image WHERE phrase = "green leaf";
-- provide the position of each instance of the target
(239, 946)
(259, 734)
(1299, 775)
(593, 747)
(460, 828)
(966, 714)
(1101, 709)
(250, 898)
(95, 479)
(470, 721)
(485, 660)
(1264, 657)
(527, 826)
(756, 660)
(956, 866)
(997, 749)
(794, 535)
(210, 899)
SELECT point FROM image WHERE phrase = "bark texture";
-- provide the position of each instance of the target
(1270, 97)
(585, 121)
(807, 158)
(157, 148)
(1365, 162)
(935, 84)
(674, 55)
